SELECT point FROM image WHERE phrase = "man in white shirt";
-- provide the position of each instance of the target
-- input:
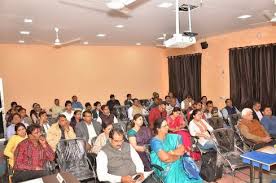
(118, 160)
(136, 108)
(88, 129)
(69, 112)
(257, 111)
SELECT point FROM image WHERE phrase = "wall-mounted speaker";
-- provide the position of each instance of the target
(204, 45)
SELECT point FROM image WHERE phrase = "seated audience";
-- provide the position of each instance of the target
(136, 108)
(154, 103)
(59, 131)
(31, 155)
(155, 95)
(35, 112)
(9, 113)
(88, 129)
(20, 135)
(97, 110)
(177, 104)
(68, 110)
(88, 106)
(269, 121)
(128, 101)
(211, 111)
(157, 112)
(198, 127)
(257, 114)
(187, 103)
(106, 116)
(177, 124)
(43, 122)
(76, 104)
(15, 119)
(196, 105)
(172, 105)
(119, 161)
(56, 109)
(24, 117)
(168, 100)
(203, 101)
(167, 152)
(102, 138)
(75, 119)
(252, 130)
(139, 137)
(229, 109)
(112, 102)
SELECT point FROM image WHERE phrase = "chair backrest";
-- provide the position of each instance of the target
(120, 112)
(215, 122)
(71, 157)
(225, 139)
(233, 120)
(145, 103)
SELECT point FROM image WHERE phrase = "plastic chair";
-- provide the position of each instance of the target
(227, 149)
(72, 158)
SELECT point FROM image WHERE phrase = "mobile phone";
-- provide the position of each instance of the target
(136, 177)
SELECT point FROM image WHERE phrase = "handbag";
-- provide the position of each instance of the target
(190, 167)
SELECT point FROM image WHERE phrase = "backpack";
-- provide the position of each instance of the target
(210, 170)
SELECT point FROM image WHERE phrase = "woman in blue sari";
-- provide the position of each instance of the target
(167, 152)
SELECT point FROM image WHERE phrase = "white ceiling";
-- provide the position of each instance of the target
(145, 23)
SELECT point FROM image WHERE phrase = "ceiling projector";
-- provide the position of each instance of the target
(180, 41)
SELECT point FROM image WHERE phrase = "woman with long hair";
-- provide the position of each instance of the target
(139, 137)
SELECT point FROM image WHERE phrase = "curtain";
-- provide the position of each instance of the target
(185, 75)
(253, 75)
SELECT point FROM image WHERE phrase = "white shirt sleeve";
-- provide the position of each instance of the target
(192, 128)
(99, 120)
(224, 113)
(182, 105)
(129, 113)
(137, 160)
(115, 120)
(102, 171)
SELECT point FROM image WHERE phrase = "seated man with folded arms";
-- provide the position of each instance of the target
(119, 161)
(253, 130)
(269, 121)
(59, 131)
(31, 155)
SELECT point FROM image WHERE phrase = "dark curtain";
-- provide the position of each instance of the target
(185, 75)
(253, 75)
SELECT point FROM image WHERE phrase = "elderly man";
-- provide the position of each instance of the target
(253, 130)
(269, 121)
(119, 161)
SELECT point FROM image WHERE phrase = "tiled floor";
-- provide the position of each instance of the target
(242, 178)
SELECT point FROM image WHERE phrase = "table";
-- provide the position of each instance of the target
(263, 161)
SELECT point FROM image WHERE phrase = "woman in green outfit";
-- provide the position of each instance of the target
(167, 152)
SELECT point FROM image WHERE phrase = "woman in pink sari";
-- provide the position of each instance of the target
(177, 125)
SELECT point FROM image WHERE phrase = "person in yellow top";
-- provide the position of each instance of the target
(20, 134)
(58, 131)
